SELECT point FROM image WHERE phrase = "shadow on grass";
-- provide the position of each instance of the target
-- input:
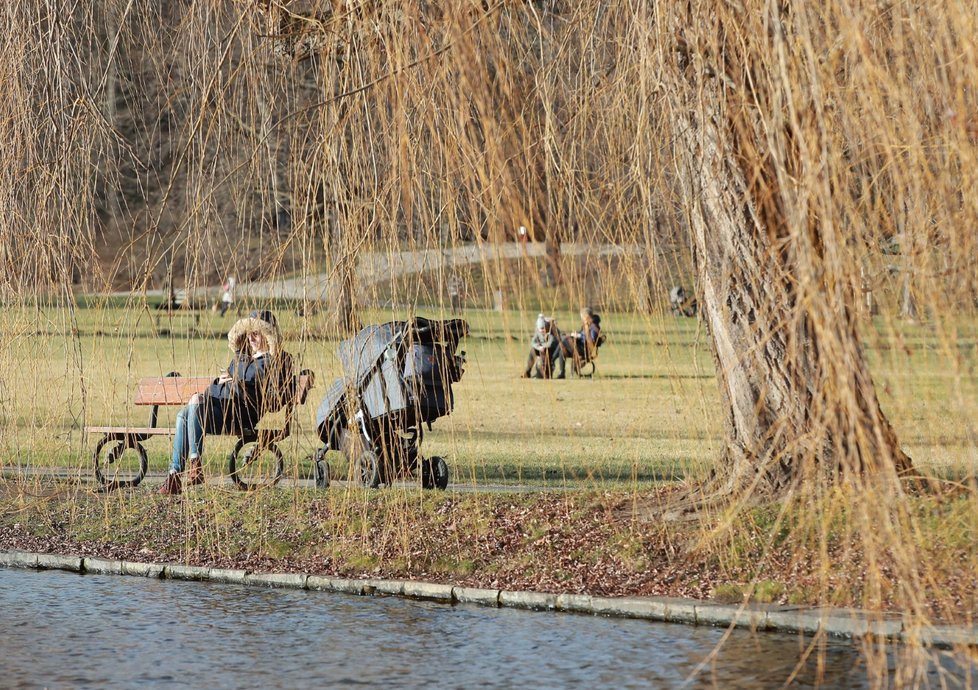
(572, 475)
(665, 377)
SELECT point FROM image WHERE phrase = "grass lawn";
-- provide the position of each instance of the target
(651, 413)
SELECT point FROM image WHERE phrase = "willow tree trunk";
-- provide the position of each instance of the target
(777, 286)
(345, 308)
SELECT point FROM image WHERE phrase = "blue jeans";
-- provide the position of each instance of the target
(189, 439)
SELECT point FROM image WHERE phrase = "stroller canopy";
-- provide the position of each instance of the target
(360, 355)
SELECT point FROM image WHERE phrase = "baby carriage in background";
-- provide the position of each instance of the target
(396, 377)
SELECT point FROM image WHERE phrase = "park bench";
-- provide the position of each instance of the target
(249, 469)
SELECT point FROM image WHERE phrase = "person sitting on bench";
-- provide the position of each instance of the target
(581, 344)
(680, 303)
(545, 354)
(234, 401)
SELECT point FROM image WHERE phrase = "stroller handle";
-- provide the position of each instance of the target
(450, 330)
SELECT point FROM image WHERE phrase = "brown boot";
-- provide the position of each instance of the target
(195, 475)
(171, 485)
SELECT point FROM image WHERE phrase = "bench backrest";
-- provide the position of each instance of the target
(591, 346)
(170, 390)
(177, 390)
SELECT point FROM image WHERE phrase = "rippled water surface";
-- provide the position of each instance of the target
(63, 630)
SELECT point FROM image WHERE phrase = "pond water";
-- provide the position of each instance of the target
(64, 630)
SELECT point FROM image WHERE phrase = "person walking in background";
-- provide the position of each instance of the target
(228, 297)
(456, 290)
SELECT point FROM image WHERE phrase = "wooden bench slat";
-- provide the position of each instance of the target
(131, 430)
(162, 431)
(151, 430)
(177, 390)
(170, 390)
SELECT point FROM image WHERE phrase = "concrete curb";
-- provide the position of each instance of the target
(847, 623)
(153, 570)
(186, 572)
(428, 590)
(391, 588)
(475, 595)
(575, 603)
(667, 609)
(528, 600)
(101, 566)
(227, 576)
(322, 583)
(55, 562)
(19, 559)
(282, 580)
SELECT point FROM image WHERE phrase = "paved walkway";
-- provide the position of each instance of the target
(375, 267)
(85, 477)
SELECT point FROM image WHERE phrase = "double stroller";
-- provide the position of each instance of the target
(397, 377)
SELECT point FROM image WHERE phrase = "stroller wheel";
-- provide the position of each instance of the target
(434, 473)
(367, 468)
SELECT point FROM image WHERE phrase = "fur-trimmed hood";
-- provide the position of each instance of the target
(238, 335)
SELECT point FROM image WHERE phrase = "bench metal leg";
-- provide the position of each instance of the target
(321, 468)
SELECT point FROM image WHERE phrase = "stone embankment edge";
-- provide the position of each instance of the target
(848, 623)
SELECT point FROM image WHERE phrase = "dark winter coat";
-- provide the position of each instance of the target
(238, 405)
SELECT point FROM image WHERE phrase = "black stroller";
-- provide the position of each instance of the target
(397, 377)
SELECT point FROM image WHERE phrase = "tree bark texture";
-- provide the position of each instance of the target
(776, 282)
